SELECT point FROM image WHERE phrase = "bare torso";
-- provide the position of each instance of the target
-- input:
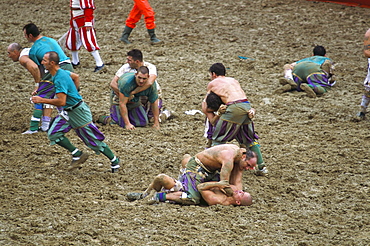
(213, 158)
(227, 88)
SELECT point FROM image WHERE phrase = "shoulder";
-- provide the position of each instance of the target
(25, 52)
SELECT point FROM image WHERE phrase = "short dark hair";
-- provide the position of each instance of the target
(319, 51)
(213, 101)
(53, 56)
(143, 70)
(136, 54)
(218, 68)
(249, 154)
(32, 29)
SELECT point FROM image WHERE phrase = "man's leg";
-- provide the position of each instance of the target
(56, 136)
(35, 119)
(46, 117)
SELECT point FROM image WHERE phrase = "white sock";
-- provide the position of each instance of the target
(97, 58)
(288, 74)
(75, 58)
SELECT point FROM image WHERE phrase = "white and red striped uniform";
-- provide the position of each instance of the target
(81, 31)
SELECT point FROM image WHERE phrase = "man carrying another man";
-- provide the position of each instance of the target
(134, 61)
(46, 89)
(130, 113)
(17, 53)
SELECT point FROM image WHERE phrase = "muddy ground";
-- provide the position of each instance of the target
(317, 191)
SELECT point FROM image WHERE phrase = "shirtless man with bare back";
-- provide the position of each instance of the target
(221, 165)
(236, 122)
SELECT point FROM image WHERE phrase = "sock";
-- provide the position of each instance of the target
(75, 58)
(76, 153)
(35, 120)
(256, 149)
(161, 196)
(108, 153)
(65, 143)
(45, 123)
(97, 58)
(288, 74)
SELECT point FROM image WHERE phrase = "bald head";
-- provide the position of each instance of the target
(246, 199)
(14, 51)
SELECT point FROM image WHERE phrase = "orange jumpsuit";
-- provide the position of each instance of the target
(141, 7)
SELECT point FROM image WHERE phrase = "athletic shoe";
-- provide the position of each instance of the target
(308, 90)
(29, 132)
(98, 68)
(132, 196)
(262, 172)
(44, 127)
(78, 161)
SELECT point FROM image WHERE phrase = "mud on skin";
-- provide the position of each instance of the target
(318, 189)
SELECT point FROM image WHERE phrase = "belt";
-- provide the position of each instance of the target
(74, 106)
(238, 101)
(75, 9)
(201, 164)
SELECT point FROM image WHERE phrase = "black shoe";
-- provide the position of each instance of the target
(97, 68)
(76, 65)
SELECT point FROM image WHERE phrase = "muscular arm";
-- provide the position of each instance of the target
(152, 78)
(226, 159)
(59, 100)
(211, 116)
(155, 110)
(209, 194)
(76, 79)
(236, 178)
(114, 85)
(32, 67)
(367, 44)
(124, 112)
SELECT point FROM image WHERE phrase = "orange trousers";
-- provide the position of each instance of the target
(141, 7)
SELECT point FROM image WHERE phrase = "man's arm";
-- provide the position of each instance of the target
(236, 178)
(155, 110)
(76, 79)
(32, 67)
(59, 100)
(367, 44)
(124, 112)
(149, 83)
(207, 190)
(114, 84)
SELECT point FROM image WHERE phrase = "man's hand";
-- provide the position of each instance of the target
(156, 126)
(222, 109)
(251, 113)
(36, 99)
(130, 127)
(225, 187)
